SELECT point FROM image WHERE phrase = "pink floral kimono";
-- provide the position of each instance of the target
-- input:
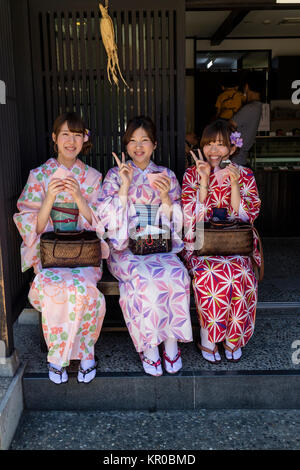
(225, 287)
(155, 288)
(72, 307)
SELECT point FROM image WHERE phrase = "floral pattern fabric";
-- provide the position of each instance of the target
(154, 289)
(72, 307)
(225, 287)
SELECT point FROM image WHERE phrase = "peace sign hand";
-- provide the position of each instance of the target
(202, 167)
(125, 170)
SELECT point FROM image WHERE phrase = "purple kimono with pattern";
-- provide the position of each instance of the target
(154, 289)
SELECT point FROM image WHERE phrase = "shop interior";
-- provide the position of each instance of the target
(217, 54)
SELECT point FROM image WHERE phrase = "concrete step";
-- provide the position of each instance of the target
(182, 433)
(114, 317)
(213, 390)
(268, 375)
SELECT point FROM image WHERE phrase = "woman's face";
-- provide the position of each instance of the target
(140, 148)
(215, 151)
(69, 145)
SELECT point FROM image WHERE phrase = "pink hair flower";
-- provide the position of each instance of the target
(235, 139)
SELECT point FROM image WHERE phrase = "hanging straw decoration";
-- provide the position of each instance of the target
(108, 38)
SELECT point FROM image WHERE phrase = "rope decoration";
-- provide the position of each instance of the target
(108, 38)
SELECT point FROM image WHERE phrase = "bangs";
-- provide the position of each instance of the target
(217, 131)
(75, 125)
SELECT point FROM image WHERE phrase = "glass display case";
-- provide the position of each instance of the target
(276, 165)
(276, 153)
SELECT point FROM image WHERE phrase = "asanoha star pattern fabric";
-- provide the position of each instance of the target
(225, 287)
(72, 307)
(154, 289)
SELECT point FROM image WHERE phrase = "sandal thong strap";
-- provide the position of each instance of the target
(167, 358)
(209, 351)
(148, 361)
(56, 371)
(90, 369)
(232, 350)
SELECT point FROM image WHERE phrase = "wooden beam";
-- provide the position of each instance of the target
(192, 5)
(232, 20)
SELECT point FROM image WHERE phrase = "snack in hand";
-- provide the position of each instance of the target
(224, 164)
(156, 175)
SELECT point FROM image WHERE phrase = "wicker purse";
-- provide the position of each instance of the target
(150, 244)
(70, 249)
(225, 238)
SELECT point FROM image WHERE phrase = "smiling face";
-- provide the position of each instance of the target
(140, 148)
(215, 151)
(69, 145)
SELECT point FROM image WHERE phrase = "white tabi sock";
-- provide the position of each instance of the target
(171, 347)
(85, 365)
(236, 354)
(152, 354)
(207, 344)
(57, 378)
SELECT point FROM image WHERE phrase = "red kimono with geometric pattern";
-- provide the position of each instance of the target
(225, 287)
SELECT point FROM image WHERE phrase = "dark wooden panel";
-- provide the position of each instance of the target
(12, 286)
(69, 69)
(278, 190)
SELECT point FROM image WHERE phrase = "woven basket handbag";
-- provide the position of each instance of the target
(225, 238)
(150, 245)
(70, 249)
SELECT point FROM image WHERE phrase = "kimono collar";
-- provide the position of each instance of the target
(78, 169)
(151, 167)
(78, 165)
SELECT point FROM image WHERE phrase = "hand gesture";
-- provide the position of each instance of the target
(55, 187)
(233, 173)
(125, 170)
(202, 167)
(163, 184)
(73, 188)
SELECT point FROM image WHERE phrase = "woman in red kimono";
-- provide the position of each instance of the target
(225, 287)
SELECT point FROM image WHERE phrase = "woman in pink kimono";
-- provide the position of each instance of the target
(61, 194)
(225, 287)
(154, 288)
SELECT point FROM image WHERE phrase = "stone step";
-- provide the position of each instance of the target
(114, 316)
(260, 389)
(268, 375)
(114, 435)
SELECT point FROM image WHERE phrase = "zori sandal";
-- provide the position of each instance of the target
(172, 366)
(151, 367)
(83, 373)
(209, 355)
(56, 375)
(232, 354)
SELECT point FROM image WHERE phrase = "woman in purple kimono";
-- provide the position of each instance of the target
(154, 288)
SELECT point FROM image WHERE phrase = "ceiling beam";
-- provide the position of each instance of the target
(232, 4)
(232, 20)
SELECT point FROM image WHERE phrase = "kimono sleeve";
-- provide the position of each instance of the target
(29, 205)
(176, 222)
(92, 194)
(250, 201)
(193, 210)
(117, 220)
